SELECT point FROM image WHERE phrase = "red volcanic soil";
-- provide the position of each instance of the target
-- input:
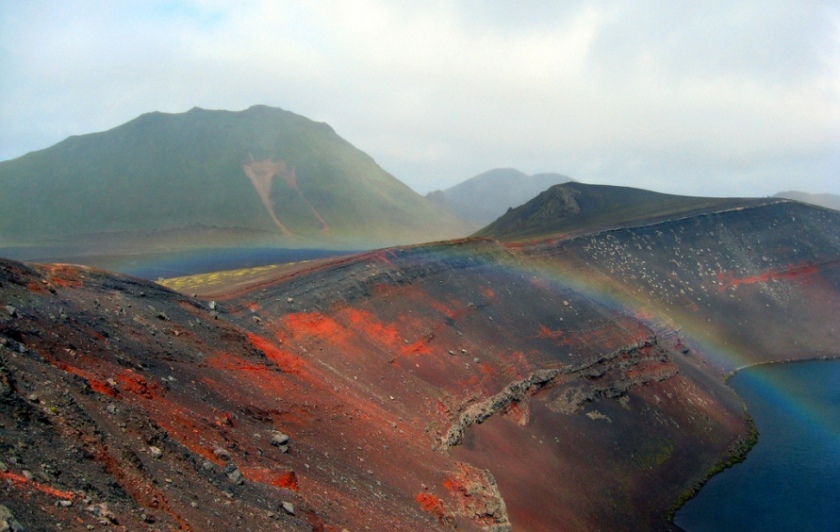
(127, 403)
(563, 385)
(788, 272)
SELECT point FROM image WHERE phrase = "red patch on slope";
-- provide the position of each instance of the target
(137, 486)
(420, 347)
(138, 385)
(366, 323)
(64, 275)
(264, 475)
(95, 384)
(21, 480)
(791, 272)
(285, 360)
(547, 333)
(431, 504)
(314, 324)
(34, 287)
(443, 309)
(226, 362)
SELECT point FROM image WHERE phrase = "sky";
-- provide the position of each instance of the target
(714, 98)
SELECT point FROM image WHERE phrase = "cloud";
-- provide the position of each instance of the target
(705, 98)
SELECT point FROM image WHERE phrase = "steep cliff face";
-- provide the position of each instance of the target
(599, 337)
(521, 372)
(562, 384)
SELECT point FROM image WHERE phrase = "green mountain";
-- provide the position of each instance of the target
(576, 208)
(483, 198)
(201, 178)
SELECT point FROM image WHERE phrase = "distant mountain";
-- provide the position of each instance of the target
(829, 201)
(485, 197)
(577, 207)
(263, 175)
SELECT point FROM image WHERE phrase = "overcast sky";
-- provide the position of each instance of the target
(707, 98)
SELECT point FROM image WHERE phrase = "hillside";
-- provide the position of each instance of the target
(829, 201)
(566, 383)
(483, 198)
(262, 175)
(575, 208)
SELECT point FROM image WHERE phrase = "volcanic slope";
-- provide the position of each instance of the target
(569, 383)
(136, 405)
(577, 208)
(263, 175)
(583, 373)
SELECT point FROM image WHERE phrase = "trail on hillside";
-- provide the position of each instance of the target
(261, 175)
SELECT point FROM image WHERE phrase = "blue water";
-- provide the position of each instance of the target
(176, 264)
(173, 263)
(791, 478)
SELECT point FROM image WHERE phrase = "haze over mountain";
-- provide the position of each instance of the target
(577, 207)
(829, 201)
(701, 98)
(483, 198)
(260, 176)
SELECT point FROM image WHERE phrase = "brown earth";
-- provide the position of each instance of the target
(570, 384)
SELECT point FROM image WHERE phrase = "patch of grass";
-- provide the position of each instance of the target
(737, 454)
(204, 281)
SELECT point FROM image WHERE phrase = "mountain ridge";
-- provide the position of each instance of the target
(484, 197)
(829, 201)
(578, 208)
(168, 171)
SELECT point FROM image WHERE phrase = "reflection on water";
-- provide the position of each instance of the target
(214, 260)
(175, 263)
(790, 479)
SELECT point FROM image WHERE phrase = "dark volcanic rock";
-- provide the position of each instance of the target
(761, 280)
(577, 208)
(590, 395)
(384, 324)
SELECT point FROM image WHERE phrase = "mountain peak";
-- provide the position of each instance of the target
(242, 173)
(263, 108)
(579, 207)
(486, 196)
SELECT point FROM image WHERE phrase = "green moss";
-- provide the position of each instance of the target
(737, 454)
(655, 456)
